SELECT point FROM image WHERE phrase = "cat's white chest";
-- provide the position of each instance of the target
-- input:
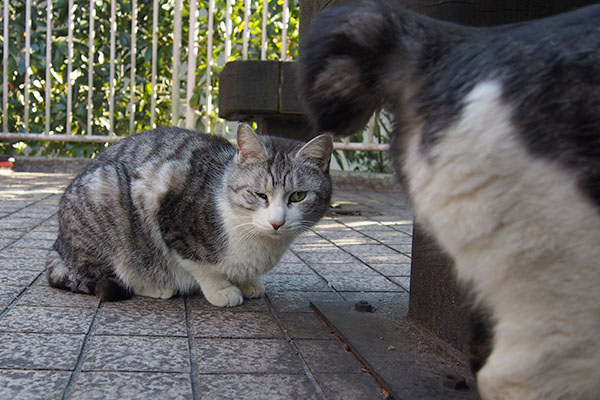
(489, 203)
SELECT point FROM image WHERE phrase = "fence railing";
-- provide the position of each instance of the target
(93, 72)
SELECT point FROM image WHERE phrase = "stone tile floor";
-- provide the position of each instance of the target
(56, 344)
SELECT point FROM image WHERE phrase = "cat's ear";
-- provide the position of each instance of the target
(250, 147)
(318, 150)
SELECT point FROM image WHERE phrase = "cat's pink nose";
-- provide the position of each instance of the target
(276, 225)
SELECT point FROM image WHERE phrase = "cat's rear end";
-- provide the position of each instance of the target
(497, 138)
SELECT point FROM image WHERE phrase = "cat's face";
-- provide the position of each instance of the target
(279, 187)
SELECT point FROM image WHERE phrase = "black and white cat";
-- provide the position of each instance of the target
(173, 211)
(497, 139)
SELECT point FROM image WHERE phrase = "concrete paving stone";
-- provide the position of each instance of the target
(151, 320)
(296, 301)
(350, 386)
(307, 237)
(132, 386)
(392, 303)
(362, 283)
(198, 302)
(403, 281)
(8, 293)
(224, 323)
(31, 264)
(47, 320)
(305, 326)
(16, 276)
(298, 268)
(330, 255)
(19, 224)
(12, 234)
(40, 234)
(289, 257)
(345, 239)
(393, 269)
(4, 242)
(24, 254)
(402, 248)
(48, 226)
(377, 254)
(328, 356)
(246, 386)
(240, 356)
(25, 385)
(355, 268)
(43, 295)
(137, 353)
(315, 245)
(277, 283)
(39, 351)
(391, 237)
(33, 244)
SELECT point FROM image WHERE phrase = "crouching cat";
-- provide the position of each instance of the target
(173, 211)
(497, 139)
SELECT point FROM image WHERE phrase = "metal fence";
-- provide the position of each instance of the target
(42, 31)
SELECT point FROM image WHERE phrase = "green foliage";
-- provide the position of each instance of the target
(369, 161)
(143, 66)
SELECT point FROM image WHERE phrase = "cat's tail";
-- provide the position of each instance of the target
(357, 58)
(61, 276)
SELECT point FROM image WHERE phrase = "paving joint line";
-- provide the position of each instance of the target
(194, 372)
(358, 259)
(18, 297)
(307, 371)
(84, 348)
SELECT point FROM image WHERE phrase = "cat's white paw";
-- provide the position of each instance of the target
(230, 296)
(253, 289)
(157, 293)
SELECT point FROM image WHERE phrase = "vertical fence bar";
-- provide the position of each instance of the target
(132, 76)
(27, 59)
(285, 20)
(263, 39)
(5, 70)
(111, 71)
(209, 49)
(69, 65)
(90, 106)
(48, 65)
(246, 34)
(191, 72)
(227, 30)
(176, 62)
(154, 61)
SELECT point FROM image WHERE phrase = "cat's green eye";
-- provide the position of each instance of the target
(297, 196)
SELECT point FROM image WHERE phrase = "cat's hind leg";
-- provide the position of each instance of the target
(61, 276)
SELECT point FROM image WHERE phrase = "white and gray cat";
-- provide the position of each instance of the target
(497, 139)
(173, 211)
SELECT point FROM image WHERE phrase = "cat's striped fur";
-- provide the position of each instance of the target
(173, 211)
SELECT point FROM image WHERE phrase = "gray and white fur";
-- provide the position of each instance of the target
(171, 211)
(497, 140)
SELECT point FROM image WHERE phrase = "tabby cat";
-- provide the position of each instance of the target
(172, 211)
(497, 140)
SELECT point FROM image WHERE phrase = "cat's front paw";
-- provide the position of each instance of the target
(230, 296)
(253, 289)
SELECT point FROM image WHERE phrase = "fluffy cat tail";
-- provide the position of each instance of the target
(358, 57)
(62, 277)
